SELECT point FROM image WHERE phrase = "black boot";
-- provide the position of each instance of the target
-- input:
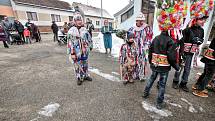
(175, 85)
(88, 78)
(145, 95)
(184, 87)
(79, 81)
(5, 44)
(158, 85)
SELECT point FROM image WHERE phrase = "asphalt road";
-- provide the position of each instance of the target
(37, 83)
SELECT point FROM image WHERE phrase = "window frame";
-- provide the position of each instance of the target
(56, 18)
(32, 15)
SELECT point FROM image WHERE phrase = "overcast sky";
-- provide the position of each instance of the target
(112, 6)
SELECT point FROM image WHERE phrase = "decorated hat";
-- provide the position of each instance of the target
(140, 17)
(77, 16)
(130, 35)
(171, 13)
(201, 8)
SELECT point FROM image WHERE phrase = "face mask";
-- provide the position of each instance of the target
(130, 43)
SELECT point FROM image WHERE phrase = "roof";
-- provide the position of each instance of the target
(124, 9)
(92, 11)
(56, 4)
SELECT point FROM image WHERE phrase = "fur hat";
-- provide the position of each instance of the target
(140, 17)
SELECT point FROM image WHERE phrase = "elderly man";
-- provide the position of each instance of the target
(7, 25)
(143, 35)
(79, 46)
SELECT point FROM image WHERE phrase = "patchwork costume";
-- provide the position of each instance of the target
(128, 61)
(79, 45)
(143, 36)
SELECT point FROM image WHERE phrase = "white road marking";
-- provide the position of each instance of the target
(115, 73)
(191, 108)
(106, 76)
(173, 104)
(49, 109)
(157, 114)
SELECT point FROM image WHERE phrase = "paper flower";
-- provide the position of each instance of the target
(172, 17)
(201, 8)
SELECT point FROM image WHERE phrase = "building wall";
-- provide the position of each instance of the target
(6, 11)
(94, 19)
(43, 14)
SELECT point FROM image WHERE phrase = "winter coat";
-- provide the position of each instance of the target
(209, 54)
(79, 43)
(54, 28)
(192, 38)
(3, 35)
(27, 33)
(18, 27)
(90, 27)
(7, 25)
(162, 53)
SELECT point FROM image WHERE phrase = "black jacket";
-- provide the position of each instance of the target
(18, 27)
(207, 60)
(163, 44)
(54, 28)
(192, 35)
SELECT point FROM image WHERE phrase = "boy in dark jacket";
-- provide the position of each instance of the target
(193, 37)
(161, 57)
(163, 50)
(209, 71)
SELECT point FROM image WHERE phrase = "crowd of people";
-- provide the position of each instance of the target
(25, 34)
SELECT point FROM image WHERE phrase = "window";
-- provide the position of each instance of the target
(32, 16)
(127, 14)
(97, 23)
(110, 24)
(55, 18)
(70, 18)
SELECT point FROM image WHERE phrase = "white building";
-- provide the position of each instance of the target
(125, 18)
(94, 14)
(42, 12)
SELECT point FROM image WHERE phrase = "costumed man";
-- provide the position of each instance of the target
(128, 59)
(143, 36)
(193, 37)
(107, 37)
(199, 89)
(162, 51)
(79, 46)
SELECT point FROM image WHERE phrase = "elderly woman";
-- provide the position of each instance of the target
(107, 37)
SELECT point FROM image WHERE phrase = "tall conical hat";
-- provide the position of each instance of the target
(171, 13)
(201, 8)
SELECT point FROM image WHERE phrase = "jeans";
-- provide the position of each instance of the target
(162, 84)
(21, 34)
(55, 37)
(205, 77)
(186, 71)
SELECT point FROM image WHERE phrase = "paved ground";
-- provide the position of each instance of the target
(38, 75)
